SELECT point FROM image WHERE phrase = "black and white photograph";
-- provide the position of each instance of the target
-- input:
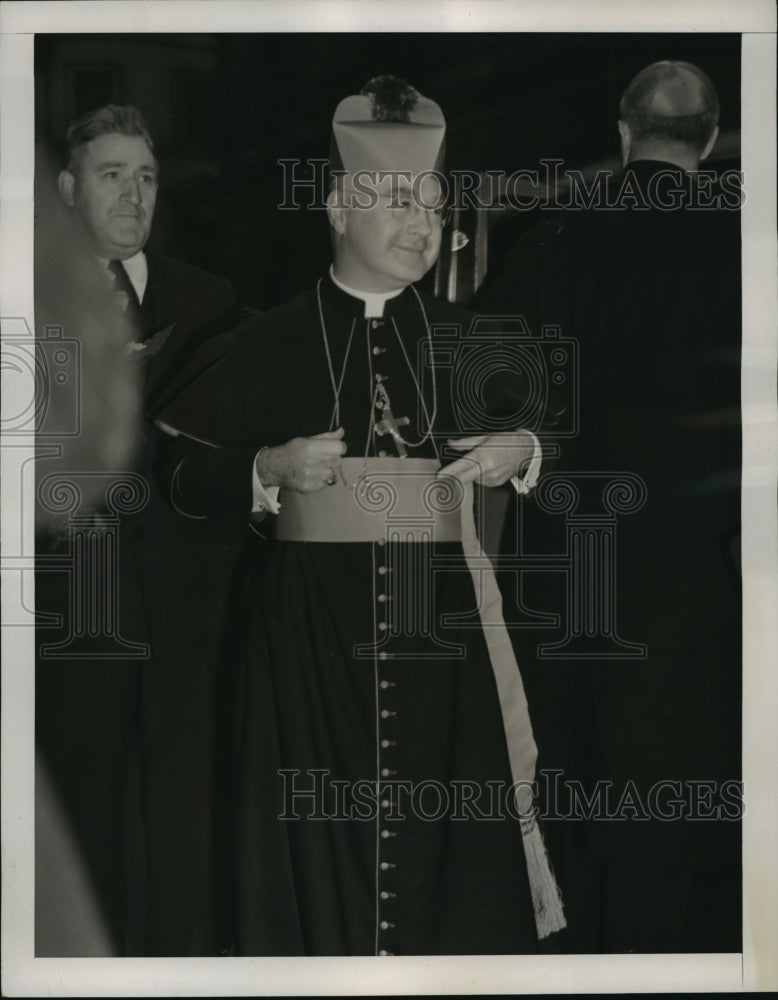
(389, 504)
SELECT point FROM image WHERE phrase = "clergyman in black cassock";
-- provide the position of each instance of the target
(374, 697)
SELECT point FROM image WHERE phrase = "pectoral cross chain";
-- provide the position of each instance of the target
(389, 424)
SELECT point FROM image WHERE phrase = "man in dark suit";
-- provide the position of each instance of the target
(129, 736)
(649, 286)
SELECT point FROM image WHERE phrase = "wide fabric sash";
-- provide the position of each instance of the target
(386, 499)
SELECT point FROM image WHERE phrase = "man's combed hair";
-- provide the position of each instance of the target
(694, 130)
(109, 120)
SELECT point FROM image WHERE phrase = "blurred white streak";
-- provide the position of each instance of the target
(67, 916)
(92, 411)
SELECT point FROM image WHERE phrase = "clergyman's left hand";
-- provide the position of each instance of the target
(491, 459)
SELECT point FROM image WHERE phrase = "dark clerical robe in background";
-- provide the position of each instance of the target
(328, 874)
(652, 297)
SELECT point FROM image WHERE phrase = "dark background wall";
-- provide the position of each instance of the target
(225, 108)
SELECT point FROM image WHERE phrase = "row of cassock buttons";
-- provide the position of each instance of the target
(386, 744)
(386, 714)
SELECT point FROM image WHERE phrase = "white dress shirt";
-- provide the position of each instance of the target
(137, 269)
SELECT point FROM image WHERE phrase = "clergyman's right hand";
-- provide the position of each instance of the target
(304, 465)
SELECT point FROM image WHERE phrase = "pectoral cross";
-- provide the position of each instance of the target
(389, 424)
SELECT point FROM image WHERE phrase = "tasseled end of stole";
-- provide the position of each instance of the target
(546, 897)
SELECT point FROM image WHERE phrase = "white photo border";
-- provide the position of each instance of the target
(757, 967)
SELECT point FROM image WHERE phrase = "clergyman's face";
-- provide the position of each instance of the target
(395, 241)
(113, 193)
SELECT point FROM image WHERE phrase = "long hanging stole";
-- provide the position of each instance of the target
(522, 752)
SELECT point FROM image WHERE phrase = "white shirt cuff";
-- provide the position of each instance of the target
(528, 482)
(263, 498)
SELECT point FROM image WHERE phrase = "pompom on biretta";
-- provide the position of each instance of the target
(391, 99)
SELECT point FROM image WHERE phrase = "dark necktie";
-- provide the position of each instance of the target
(144, 346)
(126, 294)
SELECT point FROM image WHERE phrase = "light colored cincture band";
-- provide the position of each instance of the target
(522, 752)
(388, 499)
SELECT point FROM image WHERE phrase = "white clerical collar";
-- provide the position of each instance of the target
(374, 301)
(137, 270)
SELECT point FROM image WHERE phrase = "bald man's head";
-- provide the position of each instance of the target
(671, 111)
